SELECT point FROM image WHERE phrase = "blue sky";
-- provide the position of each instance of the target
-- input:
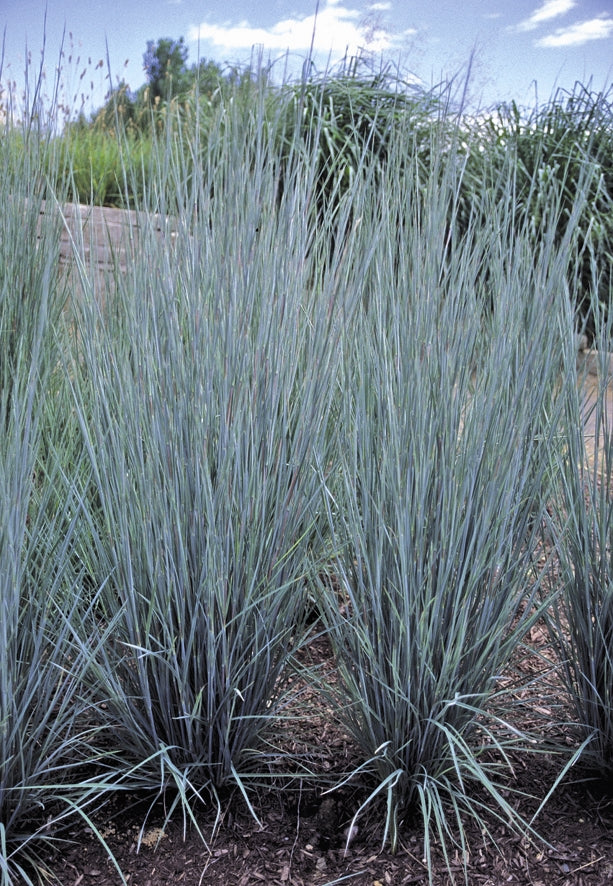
(516, 43)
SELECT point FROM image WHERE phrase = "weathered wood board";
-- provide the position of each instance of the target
(592, 368)
(102, 239)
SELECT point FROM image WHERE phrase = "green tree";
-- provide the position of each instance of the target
(208, 76)
(165, 64)
(121, 107)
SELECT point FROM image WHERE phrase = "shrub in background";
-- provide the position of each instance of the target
(554, 156)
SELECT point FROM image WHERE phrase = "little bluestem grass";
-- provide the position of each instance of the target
(444, 445)
(204, 393)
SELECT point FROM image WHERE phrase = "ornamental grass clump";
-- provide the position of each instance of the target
(445, 437)
(46, 737)
(581, 622)
(204, 392)
(49, 737)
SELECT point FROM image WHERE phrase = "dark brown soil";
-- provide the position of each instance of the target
(303, 845)
(295, 846)
(302, 837)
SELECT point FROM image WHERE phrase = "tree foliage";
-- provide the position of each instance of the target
(165, 65)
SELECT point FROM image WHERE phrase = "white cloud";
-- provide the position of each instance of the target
(599, 28)
(550, 9)
(380, 7)
(337, 29)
